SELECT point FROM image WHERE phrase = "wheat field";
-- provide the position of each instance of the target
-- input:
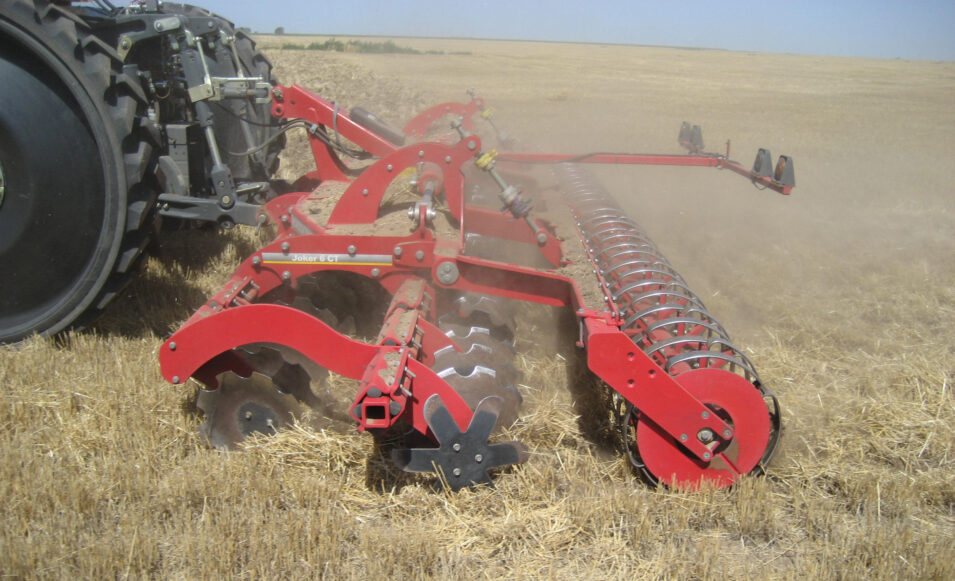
(842, 294)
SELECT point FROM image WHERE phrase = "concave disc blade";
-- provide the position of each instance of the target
(244, 406)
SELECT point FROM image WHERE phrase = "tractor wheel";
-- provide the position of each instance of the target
(77, 179)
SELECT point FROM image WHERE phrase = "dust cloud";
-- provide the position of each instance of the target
(871, 140)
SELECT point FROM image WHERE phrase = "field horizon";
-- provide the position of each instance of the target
(275, 40)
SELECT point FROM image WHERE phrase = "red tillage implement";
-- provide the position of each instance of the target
(466, 245)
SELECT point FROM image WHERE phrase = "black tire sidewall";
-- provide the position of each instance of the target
(56, 52)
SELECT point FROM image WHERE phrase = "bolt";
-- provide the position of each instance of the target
(683, 437)
(285, 247)
(286, 275)
(390, 167)
(447, 159)
(707, 455)
(226, 200)
(448, 273)
(705, 435)
(398, 251)
(175, 379)
(420, 153)
(456, 447)
(472, 145)
(125, 43)
(352, 250)
(364, 192)
(261, 218)
(705, 415)
(456, 472)
(419, 255)
(159, 26)
(172, 346)
(479, 458)
(727, 434)
(284, 218)
(541, 238)
(375, 273)
(256, 260)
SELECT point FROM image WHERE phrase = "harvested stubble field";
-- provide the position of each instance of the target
(841, 294)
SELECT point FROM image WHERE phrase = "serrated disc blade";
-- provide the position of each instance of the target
(244, 406)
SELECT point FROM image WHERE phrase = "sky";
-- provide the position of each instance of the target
(920, 29)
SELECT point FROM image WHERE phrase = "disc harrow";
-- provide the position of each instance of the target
(290, 327)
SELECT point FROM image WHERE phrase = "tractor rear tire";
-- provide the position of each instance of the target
(77, 171)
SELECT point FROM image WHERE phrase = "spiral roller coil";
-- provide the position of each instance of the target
(656, 307)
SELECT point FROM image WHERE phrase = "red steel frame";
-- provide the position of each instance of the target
(410, 267)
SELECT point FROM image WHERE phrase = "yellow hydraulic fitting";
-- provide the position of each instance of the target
(486, 160)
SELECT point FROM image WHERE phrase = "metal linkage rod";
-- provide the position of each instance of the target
(692, 160)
